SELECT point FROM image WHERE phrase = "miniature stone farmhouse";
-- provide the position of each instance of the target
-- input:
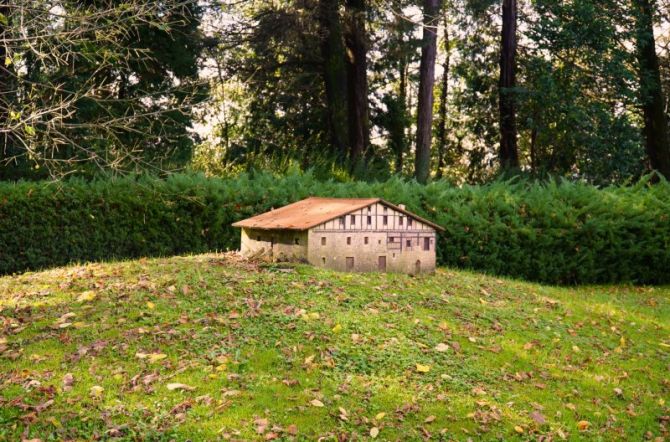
(346, 234)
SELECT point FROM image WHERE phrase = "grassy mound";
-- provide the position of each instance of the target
(207, 348)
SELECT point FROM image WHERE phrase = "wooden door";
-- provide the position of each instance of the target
(350, 262)
(381, 264)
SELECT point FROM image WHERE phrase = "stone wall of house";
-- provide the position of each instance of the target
(330, 249)
(281, 245)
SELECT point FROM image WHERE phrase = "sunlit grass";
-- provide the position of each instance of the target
(258, 351)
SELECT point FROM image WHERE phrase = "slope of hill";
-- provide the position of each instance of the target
(208, 347)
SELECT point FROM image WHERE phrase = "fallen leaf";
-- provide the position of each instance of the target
(380, 416)
(151, 305)
(576, 349)
(261, 425)
(151, 357)
(420, 368)
(441, 347)
(583, 425)
(88, 295)
(538, 417)
(429, 419)
(518, 429)
(316, 403)
(96, 391)
(292, 429)
(374, 432)
(68, 382)
(479, 391)
(337, 328)
(178, 386)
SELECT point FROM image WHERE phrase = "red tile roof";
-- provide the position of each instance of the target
(313, 211)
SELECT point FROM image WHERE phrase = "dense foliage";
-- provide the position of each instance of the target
(97, 85)
(578, 94)
(558, 232)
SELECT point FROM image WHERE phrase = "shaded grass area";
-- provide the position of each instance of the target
(210, 348)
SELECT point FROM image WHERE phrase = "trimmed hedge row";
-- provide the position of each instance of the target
(553, 232)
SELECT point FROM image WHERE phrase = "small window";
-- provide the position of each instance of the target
(379, 241)
(353, 219)
(365, 240)
(409, 243)
(297, 241)
(391, 239)
(409, 222)
(323, 240)
(369, 209)
(426, 244)
(323, 260)
(400, 220)
(348, 240)
(385, 209)
(369, 220)
(341, 221)
(386, 220)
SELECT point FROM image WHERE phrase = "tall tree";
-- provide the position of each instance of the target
(398, 47)
(424, 125)
(335, 75)
(357, 81)
(5, 79)
(655, 122)
(442, 112)
(509, 156)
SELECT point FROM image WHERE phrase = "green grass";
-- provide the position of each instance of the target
(262, 348)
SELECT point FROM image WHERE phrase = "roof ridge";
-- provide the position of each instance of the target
(307, 213)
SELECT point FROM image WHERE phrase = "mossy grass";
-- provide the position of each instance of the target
(304, 353)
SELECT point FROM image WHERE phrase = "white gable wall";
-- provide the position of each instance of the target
(398, 242)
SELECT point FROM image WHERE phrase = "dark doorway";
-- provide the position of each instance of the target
(350, 262)
(381, 264)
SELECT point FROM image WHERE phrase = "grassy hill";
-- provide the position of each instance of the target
(209, 348)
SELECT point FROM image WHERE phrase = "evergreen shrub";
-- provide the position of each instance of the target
(554, 232)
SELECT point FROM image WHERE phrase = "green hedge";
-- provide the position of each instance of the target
(556, 232)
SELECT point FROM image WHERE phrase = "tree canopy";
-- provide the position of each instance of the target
(456, 89)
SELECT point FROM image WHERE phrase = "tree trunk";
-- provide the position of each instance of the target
(509, 156)
(442, 121)
(655, 123)
(359, 135)
(5, 82)
(400, 141)
(334, 75)
(424, 125)
(8, 96)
